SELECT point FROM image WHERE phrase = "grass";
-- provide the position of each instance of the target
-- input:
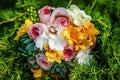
(106, 61)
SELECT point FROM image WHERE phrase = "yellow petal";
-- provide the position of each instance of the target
(28, 22)
(70, 42)
(83, 47)
(37, 73)
(76, 47)
(46, 46)
(23, 29)
(54, 56)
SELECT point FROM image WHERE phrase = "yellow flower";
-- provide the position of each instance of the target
(81, 37)
(23, 29)
(37, 73)
(54, 55)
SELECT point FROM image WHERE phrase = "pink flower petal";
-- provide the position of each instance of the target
(62, 21)
(42, 62)
(36, 30)
(69, 53)
(44, 14)
(60, 17)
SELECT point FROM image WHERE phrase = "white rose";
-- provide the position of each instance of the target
(77, 16)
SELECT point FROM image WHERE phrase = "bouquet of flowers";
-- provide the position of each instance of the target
(61, 37)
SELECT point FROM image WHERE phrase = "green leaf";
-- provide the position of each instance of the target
(30, 49)
(27, 41)
(57, 69)
(31, 52)
(31, 58)
(22, 40)
(61, 72)
(22, 50)
(23, 54)
(25, 36)
(54, 68)
(64, 67)
(30, 46)
(69, 63)
(35, 65)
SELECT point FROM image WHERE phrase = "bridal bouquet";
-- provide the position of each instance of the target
(61, 38)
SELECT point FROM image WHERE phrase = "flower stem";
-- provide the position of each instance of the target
(69, 3)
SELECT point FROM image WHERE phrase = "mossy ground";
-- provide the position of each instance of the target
(106, 16)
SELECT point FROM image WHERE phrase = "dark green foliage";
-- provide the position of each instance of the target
(61, 69)
(106, 62)
(26, 46)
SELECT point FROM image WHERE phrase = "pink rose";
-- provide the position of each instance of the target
(60, 17)
(44, 14)
(42, 61)
(36, 30)
(69, 53)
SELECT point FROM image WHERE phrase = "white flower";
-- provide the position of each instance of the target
(55, 39)
(57, 43)
(77, 16)
(41, 40)
(83, 56)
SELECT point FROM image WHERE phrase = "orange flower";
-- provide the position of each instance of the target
(23, 29)
(81, 37)
(89, 29)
